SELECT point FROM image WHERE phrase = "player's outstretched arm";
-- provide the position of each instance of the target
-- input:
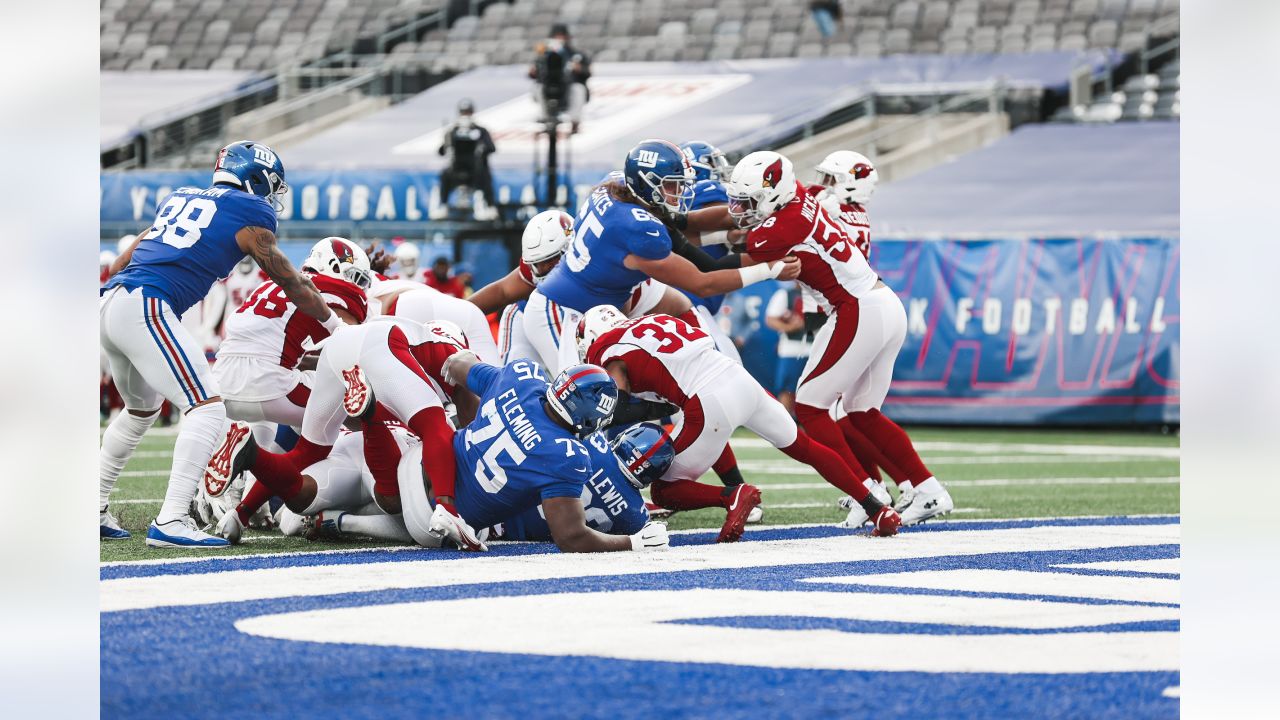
(709, 219)
(260, 244)
(680, 273)
(568, 523)
(500, 293)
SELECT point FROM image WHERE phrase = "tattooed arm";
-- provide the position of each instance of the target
(260, 244)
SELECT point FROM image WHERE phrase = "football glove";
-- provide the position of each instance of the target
(653, 536)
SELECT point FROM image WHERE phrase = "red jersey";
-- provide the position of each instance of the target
(852, 216)
(830, 267)
(525, 271)
(449, 286)
(666, 358)
(269, 325)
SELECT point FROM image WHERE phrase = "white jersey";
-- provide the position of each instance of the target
(239, 287)
(268, 325)
(666, 357)
(423, 304)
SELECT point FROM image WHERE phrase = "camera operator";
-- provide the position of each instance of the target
(561, 72)
(467, 148)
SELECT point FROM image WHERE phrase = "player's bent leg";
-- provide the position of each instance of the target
(119, 441)
(543, 327)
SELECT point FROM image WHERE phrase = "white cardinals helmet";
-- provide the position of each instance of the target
(596, 322)
(447, 330)
(105, 258)
(762, 182)
(340, 258)
(406, 255)
(849, 176)
(545, 238)
(125, 243)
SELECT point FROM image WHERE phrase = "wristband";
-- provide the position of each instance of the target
(331, 323)
(755, 273)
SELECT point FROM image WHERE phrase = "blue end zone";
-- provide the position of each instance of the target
(164, 662)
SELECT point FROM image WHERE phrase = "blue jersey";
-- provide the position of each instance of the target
(513, 455)
(193, 244)
(592, 271)
(705, 194)
(611, 502)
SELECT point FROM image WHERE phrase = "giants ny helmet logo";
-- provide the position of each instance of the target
(647, 158)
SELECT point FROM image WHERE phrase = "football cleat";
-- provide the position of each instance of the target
(230, 527)
(327, 525)
(857, 515)
(886, 522)
(745, 498)
(453, 531)
(233, 456)
(930, 500)
(756, 515)
(358, 397)
(109, 528)
(181, 533)
(905, 496)
(292, 524)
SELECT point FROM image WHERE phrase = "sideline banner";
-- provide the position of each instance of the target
(1045, 331)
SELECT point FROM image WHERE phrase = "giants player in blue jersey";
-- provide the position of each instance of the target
(622, 239)
(611, 498)
(524, 450)
(198, 236)
(711, 169)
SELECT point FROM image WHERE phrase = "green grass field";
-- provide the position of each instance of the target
(991, 473)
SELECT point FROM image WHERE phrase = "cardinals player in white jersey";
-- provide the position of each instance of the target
(542, 245)
(408, 265)
(424, 304)
(853, 354)
(660, 357)
(389, 369)
(259, 361)
(240, 285)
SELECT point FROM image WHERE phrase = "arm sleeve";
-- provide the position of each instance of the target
(633, 410)
(481, 376)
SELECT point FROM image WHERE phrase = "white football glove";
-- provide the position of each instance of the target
(653, 536)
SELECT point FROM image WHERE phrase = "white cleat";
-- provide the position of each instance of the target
(230, 527)
(878, 490)
(857, 516)
(450, 530)
(109, 528)
(181, 533)
(292, 524)
(930, 500)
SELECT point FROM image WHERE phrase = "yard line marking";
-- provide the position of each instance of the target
(1002, 482)
(1033, 448)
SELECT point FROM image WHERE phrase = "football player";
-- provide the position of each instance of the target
(387, 369)
(619, 243)
(408, 266)
(664, 358)
(198, 236)
(424, 304)
(854, 351)
(240, 285)
(710, 169)
(541, 246)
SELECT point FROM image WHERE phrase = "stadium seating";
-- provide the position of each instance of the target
(240, 34)
(243, 34)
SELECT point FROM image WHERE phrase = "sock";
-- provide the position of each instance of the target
(118, 443)
(382, 456)
(866, 451)
(438, 462)
(202, 429)
(817, 423)
(726, 466)
(893, 442)
(258, 494)
(828, 464)
(381, 527)
(306, 453)
(686, 495)
(277, 475)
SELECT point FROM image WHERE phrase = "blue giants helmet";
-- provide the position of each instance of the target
(707, 160)
(644, 453)
(254, 168)
(584, 396)
(655, 171)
